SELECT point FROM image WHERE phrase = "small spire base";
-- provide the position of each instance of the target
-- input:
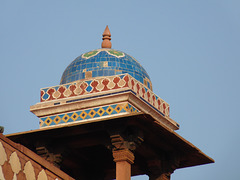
(106, 38)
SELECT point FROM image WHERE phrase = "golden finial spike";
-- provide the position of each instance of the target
(106, 38)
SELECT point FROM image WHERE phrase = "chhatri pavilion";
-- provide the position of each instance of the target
(102, 122)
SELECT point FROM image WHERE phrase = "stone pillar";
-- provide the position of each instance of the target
(123, 158)
(124, 141)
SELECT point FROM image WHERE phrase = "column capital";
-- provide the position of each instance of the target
(123, 155)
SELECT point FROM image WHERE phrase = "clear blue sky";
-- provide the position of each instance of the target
(190, 49)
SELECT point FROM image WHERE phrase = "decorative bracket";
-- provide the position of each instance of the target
(55, 159)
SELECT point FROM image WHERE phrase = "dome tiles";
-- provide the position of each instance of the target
(104, 62)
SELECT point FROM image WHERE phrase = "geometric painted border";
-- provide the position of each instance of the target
(103, 84)
(87, 114)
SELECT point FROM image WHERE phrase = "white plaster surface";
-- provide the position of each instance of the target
(14, 176)
(1, 174)
(42, 175)
(3, 155)
(15, 163)
(29, 171)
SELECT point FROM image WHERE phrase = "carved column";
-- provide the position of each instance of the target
(123, 158)
(124, 141)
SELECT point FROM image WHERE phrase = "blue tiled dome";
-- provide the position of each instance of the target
(104, 62)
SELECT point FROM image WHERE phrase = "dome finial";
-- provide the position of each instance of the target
(106, 38)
